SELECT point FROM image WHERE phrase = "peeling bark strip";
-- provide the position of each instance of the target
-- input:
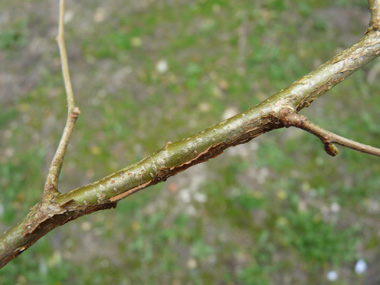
(174, 158)
(278, 111)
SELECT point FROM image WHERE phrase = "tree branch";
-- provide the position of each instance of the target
(176, 157)
(51, 184)
(291, 119)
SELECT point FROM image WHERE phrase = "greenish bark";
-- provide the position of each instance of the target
(175, 157)
(178, 156)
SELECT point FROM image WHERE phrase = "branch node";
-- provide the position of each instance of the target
(75, 112)
(331, 149)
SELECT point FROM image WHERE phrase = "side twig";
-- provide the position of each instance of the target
(291, 119)
(374, 6)
(51, 185)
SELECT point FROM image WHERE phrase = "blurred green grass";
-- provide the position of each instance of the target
(275, 211)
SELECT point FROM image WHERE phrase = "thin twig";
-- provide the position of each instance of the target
(374, 6)
(51, 185)
(62, 49)
(327, 138)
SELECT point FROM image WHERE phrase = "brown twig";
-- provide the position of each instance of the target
(51, 185)
(291, 119)
(374, 6)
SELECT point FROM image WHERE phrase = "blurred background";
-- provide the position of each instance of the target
(277, 210)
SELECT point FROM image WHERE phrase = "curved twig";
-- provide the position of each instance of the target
(291, 119)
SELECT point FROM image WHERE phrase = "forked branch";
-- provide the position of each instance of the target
(57, 209)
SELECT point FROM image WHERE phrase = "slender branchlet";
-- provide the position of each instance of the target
(374, 6)
(292, 119)
(51, 184)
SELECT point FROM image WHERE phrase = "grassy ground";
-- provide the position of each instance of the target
(277, 210)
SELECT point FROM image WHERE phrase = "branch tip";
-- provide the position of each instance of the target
(75, 112)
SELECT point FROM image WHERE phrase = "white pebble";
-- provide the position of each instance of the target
(360, 266)
(200, 197)
(162, 66)
(332, 275)
(335, 208)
